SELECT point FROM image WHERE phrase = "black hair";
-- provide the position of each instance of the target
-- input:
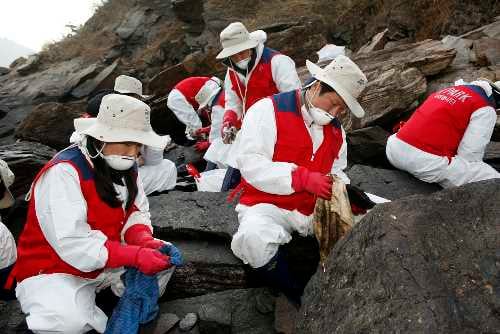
(325, 88)
(105, 176)
(3, 189)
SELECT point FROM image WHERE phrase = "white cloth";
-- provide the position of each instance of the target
(157, 174)
(218, 151)
(211, 181)
(263, 228)
(8, 252)
(63, 303)
(284, 76)
(62, 213)
(184, 111)
(436, 169)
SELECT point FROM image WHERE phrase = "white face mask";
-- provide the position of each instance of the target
(320, 116)
(119, 162)
(243, 64)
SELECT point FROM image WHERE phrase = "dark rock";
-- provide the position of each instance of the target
(40, 125)
(17, 62)
(285, 316)
(367, 146)
(30, 66)
(161, 325)
(11, 317)
(77, 78)
(377, 42)
(188, 322)
(131, 23)
(496, 131)
(105, 79)
(214, 319)
(240, 304)
(210, 267)
(4, 71)
(486, 51)
(25, 159)
(197, 215)
(492, 155)
(391, 184)
(423, 264)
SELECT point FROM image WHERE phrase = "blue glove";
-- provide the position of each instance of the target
(174, 253)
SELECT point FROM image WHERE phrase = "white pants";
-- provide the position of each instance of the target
(8, 252)
(434, 168)
(159, 177)
(63, 303)
(263, 228)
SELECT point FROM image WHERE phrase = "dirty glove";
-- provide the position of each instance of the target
(174, 253)
(202, 146)
(312, 182)
(140, 235)
(360, 202)
(230, 125)
(201, 132)
(146, 260)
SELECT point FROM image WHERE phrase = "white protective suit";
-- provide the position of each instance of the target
(184, 111)
(467, 166)
(157, 174)
(218, 151)
(8, 252)
(264, 227)
(284, 76)
(64, 303)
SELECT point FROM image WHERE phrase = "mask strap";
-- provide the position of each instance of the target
(99, 152)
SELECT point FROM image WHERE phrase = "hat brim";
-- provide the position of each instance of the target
(232, 50)
(204, 103)
(7, 201)
(91, 127)
(319, 74)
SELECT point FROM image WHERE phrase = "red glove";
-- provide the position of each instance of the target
(356, 210)
(313, 182)
(229, 120)
(202, 145)
(148, 261)
(202, 131)
(140, 235)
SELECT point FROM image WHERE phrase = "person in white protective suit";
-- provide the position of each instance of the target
(88, 218)
(254, 71)
(445, 139)
(8, 253)
(157, 174)
(289, 143)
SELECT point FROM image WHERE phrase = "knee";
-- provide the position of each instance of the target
(62, 322)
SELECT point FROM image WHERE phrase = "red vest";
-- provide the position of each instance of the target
(438, 125)
(35, 255)
(261, 83)
(190, 87)
(294, 144)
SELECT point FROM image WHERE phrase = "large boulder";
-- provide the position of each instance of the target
(25, 159)
(367, 146)
(422, 264)
(492, 155)
(50, 124)
(387, 183)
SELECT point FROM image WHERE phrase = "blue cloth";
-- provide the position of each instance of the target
(139, 303)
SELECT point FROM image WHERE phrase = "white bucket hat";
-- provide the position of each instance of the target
(8, 179)
(345, 77)
(208, 91)
(129, 85)
(121, 118)
(235, 38)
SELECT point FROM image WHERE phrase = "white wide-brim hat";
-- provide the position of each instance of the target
(8, 179)
(129, 85)
(121, 118)
(234, 39)
(208, 91)
(345, 77)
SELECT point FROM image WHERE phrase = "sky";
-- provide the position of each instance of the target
(33, 23)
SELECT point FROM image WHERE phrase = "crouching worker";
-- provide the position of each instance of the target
(88, 218)
(290, 142)
(8, 252)
(445, 139)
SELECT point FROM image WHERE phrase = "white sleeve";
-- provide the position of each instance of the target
(341, 162)
(142, 215)
(62, 213)
(215, 127)
(256, 150)
(478, 134)
(152, 156)
(233, 102)
(284, 73)
(184, 111)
